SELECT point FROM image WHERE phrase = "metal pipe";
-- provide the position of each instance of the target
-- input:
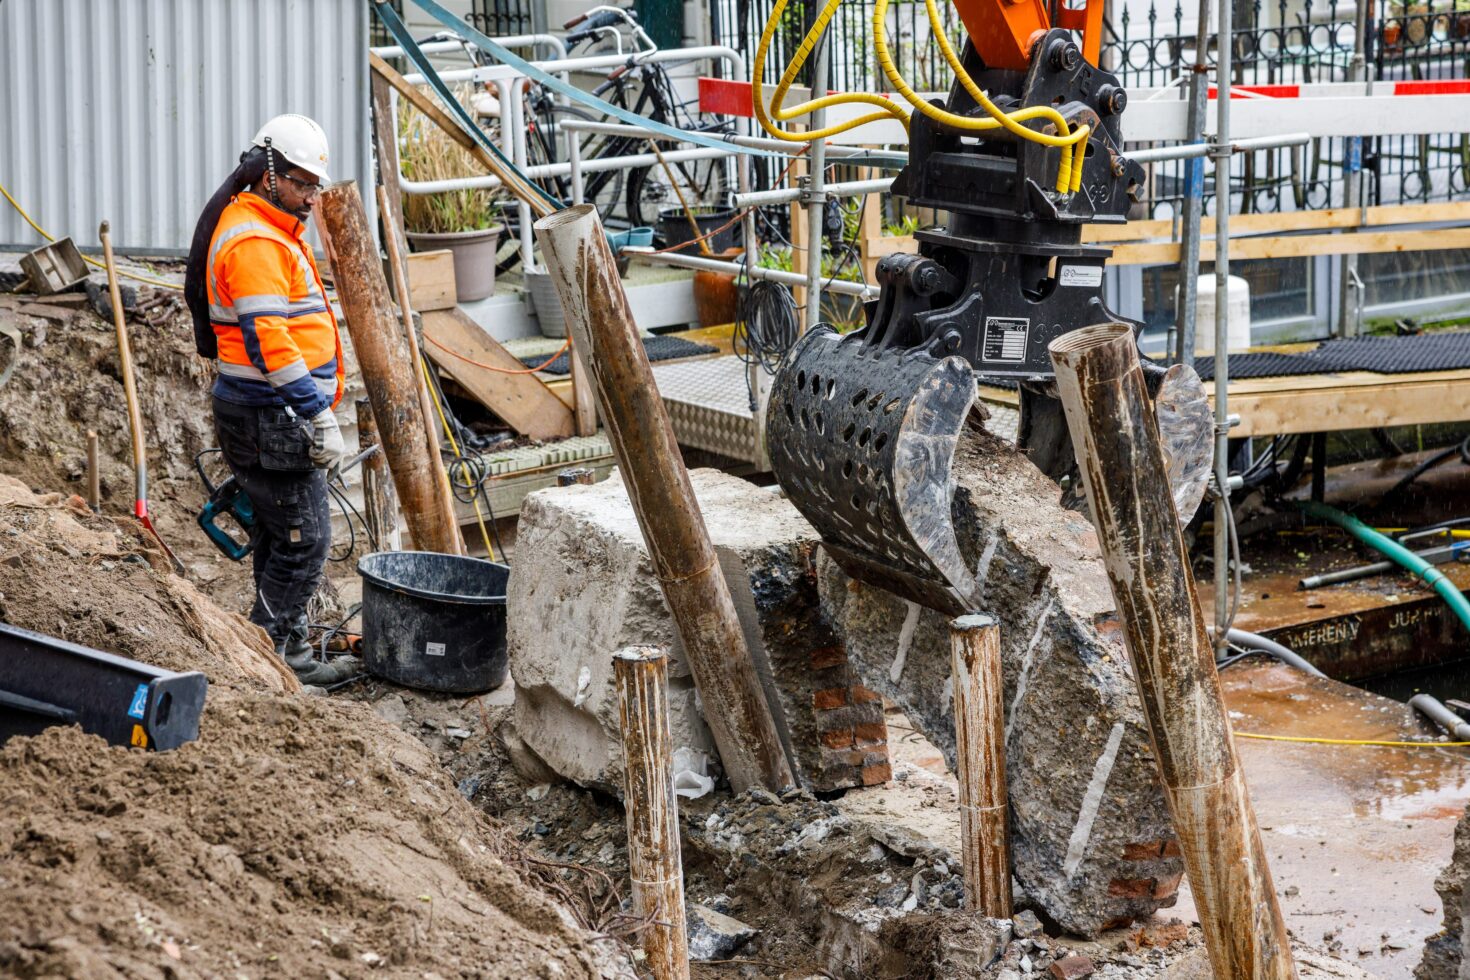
(562, 169)
(94, 474)
(980, 756)
(815, 196)
(1189, 151)
(1224, 47)
(388, 370)
(443, 47)
(1350, 296)
(652, 809)
(1194, 191)
(598, 63)
(1111, 420)
(637, 423)
(852, 188)
(1436, 712)
(843, 286)
(754, 142)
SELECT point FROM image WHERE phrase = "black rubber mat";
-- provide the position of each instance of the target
(658, 348)
(1382, 355)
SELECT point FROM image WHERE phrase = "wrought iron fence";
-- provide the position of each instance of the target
(501, 18)
(1276, 41)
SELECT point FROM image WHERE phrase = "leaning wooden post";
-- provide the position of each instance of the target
(652, 808)
(388, 369)
(379, 499)
(1118, 449)
(602, 327)
(980, 751)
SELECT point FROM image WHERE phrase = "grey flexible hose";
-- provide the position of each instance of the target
(1254, 641)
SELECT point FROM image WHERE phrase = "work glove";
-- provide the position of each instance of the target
(327, 448)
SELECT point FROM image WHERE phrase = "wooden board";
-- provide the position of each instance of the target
(431, 280)
(1356, 400)
(1297, 246)
(522, 400)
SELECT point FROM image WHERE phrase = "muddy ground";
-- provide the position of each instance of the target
(376, 832)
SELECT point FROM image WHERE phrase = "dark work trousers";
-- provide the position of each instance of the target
(269, 452)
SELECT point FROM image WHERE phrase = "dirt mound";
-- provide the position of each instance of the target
(68, 379)
(298, 837)
(100, 582)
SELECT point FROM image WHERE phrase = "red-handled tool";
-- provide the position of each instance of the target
(130, 390)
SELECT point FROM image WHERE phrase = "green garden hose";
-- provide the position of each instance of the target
(1396, 552)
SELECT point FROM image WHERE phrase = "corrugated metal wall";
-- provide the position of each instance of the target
(136, 110)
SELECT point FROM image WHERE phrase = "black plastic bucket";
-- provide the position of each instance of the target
(674, 228)
(433, 621)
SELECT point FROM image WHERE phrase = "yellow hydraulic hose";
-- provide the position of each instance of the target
(1068, 174)
(1071, 161)
(889, 109)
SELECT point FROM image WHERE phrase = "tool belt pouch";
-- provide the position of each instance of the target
(285, 442)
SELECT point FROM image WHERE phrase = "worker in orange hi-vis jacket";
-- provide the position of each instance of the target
(261, 312)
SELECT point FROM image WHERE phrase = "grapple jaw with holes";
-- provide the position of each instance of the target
(862, 438)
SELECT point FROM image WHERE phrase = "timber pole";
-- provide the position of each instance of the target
(1119, 452)
(652, 809)
(388, 369)
(980, 753)
(379, 499)
(421, 374)
(602, 327)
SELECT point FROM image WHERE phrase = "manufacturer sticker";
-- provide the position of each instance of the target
(139, 703)
(433, 649)
(1081, 275)
(1005, 338)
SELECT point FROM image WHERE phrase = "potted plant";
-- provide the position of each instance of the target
(464, 221)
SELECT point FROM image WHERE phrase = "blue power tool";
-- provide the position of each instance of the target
(225, 497)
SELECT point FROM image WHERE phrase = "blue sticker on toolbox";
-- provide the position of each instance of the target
(140, 702)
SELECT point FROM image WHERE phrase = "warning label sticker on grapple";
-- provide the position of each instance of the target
(434, 649)
(1005, 338)
(1081, 275)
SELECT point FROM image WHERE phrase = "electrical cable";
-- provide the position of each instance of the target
(1462, 450)
(765, 330)
(500, 370)
(454, 444)
(1351, 741)
(87, 259)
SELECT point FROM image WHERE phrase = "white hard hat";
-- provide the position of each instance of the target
(299, 139)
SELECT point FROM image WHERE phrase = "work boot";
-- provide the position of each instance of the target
(295, 648)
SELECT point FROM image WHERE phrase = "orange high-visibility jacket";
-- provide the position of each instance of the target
(278, 340)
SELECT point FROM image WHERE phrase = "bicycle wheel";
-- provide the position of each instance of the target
(699, 182)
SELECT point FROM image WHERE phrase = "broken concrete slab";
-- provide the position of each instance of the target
(583, 587)
(1092, 838)
(714, 935)
(1444, 952)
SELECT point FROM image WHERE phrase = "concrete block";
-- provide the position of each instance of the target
(1089, 823)
(583, 586)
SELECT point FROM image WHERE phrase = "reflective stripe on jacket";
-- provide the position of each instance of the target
(278, 340)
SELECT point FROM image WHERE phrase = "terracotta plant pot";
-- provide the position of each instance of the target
(716, 297)
(474, 258)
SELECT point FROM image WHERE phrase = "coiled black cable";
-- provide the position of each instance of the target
(765, 330)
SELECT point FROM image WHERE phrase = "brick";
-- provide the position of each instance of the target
(864, 695)
(1163, 933)
(1171, 848)
(840, 738)
(824, 657)
(1072, 968)
(873, 732)
(1148, 851)
(876, 775)
(1169, 884)
(829, 698)
(1131, 887)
